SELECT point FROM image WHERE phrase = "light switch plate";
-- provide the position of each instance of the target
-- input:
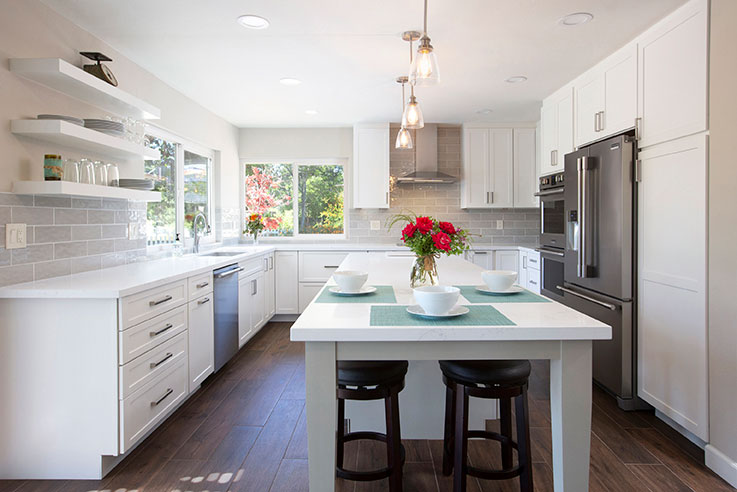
(375, 225)
(133, 230)
(15, 236)
(500, 224)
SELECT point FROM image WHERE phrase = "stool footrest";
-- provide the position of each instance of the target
(370, 475)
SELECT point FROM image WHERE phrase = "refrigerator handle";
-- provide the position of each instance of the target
(583, 200)
(579, 206)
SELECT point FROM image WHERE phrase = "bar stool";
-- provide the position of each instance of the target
(495, 379)
(369, 380)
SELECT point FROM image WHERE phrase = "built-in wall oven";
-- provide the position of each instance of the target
(552, 234)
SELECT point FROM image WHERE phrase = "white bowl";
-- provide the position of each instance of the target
(499, 280)
(349, 280)
(437, 299)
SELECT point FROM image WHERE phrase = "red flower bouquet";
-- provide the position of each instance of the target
(428, 239)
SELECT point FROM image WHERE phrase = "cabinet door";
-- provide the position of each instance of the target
(483, 259)
(371, 166)
(589, 94)
(620, 91)
(287, 299)
(245, 326)
(533, 279)
(525, 172)
(501, 186)
(672, 329)
(307, 292)
(269, 288)
(549, 136)
(258, 300)
(476, 159)
(522, 269)
(506, 260)
(565, 126)
(673, 75)
(201, 340)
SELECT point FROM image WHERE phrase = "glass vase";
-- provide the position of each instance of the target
(424, 271)
(255, 239)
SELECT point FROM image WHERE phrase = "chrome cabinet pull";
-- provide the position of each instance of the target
(169, 391)
(555, 160)
(203, 284)
(532, 282)
(157, 333)
(330, 266)
(160, 301)
(204, 301)
(168, 356)
(271, 262)
(229, 273)
(387, 198)
(638, 128)
(596, 122)
(591, 299)
(254, 287)
(524, 262)
(532, 260)
(552, 161)
(266, 264)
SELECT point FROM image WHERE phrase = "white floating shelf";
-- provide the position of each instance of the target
(64, 77)
(70, 135)
(66, 188)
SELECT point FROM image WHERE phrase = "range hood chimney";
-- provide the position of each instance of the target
(426, 159)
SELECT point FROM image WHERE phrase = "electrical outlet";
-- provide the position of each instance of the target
(132, 230)
(500, 224)
(15, 236)
(375, 225)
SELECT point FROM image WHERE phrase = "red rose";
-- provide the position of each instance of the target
(408, 231)
(442, 241)
(447, 227)
(424, 224)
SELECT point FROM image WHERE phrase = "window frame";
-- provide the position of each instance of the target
(182, 144)
(296, 164)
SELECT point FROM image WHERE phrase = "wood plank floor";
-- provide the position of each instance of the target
(245, 431)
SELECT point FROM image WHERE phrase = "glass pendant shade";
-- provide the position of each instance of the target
(412, 116)
(404, 139)
(424, 69)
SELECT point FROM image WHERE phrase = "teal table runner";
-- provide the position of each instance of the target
(384, 295)
(398, 316)
(475, 297)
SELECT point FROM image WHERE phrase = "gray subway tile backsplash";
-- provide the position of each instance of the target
(32, 215)
(70, 249)
(70, 216)
(52, 234)
(49, 269)
(52, 201)
(86, 232)
(100, 217)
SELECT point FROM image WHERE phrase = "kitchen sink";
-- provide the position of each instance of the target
(223, 253)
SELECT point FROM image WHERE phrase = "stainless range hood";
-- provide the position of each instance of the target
(426, 159)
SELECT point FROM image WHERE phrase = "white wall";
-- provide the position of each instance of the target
(722, 241)
(295, 143)
(30, 29)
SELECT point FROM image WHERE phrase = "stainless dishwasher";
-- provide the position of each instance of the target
(225, 287)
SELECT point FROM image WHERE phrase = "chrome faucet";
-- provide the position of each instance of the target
(195, 230)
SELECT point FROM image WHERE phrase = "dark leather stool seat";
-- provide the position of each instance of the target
(494, 379)
(498, 372)
(373, 380)
(370, 373)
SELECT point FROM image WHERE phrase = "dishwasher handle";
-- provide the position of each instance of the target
(229, 273)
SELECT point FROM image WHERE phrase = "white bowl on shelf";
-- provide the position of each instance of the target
(437, 299)
(349, 280)
(499, 280)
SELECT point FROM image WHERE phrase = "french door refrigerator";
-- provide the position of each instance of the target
(599, 273)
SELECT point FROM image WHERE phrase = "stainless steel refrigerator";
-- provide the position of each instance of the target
(599, 273)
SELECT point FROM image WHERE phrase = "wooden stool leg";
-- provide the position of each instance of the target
(448, 433)
(523, 441)
(460, 453)
(505, 429)
(393, 441)
(341, 432)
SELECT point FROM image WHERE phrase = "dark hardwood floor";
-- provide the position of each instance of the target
(245, 431)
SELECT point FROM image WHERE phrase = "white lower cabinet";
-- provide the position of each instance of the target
(307, 292)
(286, 282)
(251, 306)
(529, 270)
(270, 287)
(201, 340)
(484, 259)
(506, 260)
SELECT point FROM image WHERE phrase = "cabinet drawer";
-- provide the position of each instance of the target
(250, 266)
(147, 335)
(533, 260)
(199, 285)
(318, 266)
(533, 280)
(145, 408)
(140, 307)
(135, 374)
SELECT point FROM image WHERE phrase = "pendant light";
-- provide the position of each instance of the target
(424, 69)
(412, 114)
(404, 138)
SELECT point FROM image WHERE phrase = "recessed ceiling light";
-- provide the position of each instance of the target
(484, 111)
(253, 22)
(289, 81)
(576, 19)
(311, 112)
(516, 79)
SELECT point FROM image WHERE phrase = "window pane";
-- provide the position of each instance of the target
(196, 175)
(269, 193)
(320, 199)
(161, 223)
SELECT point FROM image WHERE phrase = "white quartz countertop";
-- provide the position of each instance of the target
(350, 322)
(129, 279)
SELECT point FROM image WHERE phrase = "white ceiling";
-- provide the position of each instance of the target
(348, 53)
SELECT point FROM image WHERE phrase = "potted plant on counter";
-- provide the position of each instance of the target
(429, 238)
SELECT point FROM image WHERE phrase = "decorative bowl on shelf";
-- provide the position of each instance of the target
(436, 299)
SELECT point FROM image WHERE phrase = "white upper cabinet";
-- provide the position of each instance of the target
(673, 75)
(606, 97)
(556, 125)
(371, 166)
(525, 167)
(488, 168)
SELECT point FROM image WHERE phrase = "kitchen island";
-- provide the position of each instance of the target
(531, 330)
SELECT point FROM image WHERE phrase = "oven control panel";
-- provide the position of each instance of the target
(552, 181)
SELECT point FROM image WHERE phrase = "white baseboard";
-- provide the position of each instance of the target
(721, 464)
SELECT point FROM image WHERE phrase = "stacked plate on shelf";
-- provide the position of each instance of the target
(113, 128)
(135, 184)
(70, 119)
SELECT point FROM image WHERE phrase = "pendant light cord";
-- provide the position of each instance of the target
(425, 31)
